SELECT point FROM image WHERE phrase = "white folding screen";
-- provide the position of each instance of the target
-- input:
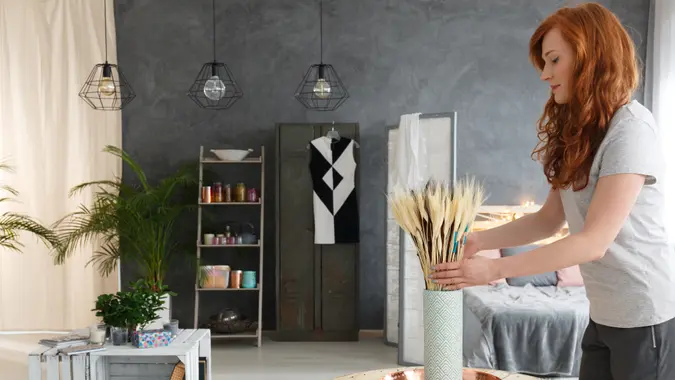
(393, 251)
(404, 279)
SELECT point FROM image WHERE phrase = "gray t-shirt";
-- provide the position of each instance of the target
(633, 285)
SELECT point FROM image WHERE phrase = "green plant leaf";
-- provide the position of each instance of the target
(12, 223)
(129, 222)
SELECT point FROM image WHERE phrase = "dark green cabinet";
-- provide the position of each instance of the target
(317, 285)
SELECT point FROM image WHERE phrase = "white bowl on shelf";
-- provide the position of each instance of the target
(231, 154)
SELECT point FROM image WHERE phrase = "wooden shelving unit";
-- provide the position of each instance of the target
(248, 247)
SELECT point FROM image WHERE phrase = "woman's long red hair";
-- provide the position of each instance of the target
(605, 74)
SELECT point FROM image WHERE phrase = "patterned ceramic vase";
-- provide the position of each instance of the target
(443, 327)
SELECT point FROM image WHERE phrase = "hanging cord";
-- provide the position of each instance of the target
(321, 29)
(213, 11)
(105, 29)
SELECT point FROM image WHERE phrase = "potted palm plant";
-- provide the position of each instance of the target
(12, 223)
(134, 223)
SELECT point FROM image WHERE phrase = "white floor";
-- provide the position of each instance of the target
(299, 361)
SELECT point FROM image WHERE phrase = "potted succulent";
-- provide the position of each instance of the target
(114, 314)
(127, 313)
(146, 301)
(134, 223)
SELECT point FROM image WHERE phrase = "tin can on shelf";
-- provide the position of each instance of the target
(240, 192)
(227, 193)
(206, 194)
(217, 192)
(252, 195)
(235, 279)
(220, 239)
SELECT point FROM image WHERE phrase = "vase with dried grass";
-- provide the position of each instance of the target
(438, 218)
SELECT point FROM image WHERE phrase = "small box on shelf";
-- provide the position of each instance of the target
(151, 338)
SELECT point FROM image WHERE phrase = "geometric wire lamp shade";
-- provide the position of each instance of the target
(106, 88)
(321, 89)
(215, 87)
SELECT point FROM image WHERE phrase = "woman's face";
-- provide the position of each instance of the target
(558, 65)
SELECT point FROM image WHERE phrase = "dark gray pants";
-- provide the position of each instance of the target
(642, 353)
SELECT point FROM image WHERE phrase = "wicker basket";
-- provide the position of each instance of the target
(231, 327)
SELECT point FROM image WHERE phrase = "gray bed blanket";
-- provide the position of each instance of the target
(534, 330)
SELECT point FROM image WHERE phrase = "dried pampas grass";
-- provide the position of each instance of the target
(438, 218)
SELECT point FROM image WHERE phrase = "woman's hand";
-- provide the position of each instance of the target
(472, 245)
(476, 270)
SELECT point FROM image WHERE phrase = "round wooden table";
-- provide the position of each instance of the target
(380, 373)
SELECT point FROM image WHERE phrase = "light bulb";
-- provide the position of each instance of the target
(322, 89)
(106, 86)
(214, 88)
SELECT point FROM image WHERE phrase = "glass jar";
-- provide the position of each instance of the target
(217, 192)
(97, 334)
(227, 193)
(252, 195)
(172, 327)
(119, 336)
(206, 194)
(240, 192)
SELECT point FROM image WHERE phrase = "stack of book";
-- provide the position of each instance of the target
(62, 341)
(82, 349)
(72, 344)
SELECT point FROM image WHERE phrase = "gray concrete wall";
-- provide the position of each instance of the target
(395, 56)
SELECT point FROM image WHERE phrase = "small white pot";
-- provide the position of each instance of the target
(164, 315)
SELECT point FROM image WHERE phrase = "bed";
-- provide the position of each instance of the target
(529, 329)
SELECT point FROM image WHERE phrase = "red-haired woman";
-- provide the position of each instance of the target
(604, 162)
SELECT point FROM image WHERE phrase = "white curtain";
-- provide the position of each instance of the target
(54, 141)
(660, 86)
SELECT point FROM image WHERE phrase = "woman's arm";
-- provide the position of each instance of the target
(530, 228)
(611, 204)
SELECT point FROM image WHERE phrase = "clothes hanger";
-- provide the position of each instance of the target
(335, 135)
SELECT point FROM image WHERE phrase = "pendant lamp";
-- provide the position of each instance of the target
(321, 88)
(215, 87)
(106, 88)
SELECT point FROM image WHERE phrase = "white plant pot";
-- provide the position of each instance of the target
(443, 327)
(164, 315)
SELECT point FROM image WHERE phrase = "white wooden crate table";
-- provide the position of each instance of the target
(125, 362)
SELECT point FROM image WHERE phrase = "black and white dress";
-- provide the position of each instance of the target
(336, 212)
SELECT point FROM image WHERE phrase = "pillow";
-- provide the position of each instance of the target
(570, 276)
(543, 279)
(492, 254)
